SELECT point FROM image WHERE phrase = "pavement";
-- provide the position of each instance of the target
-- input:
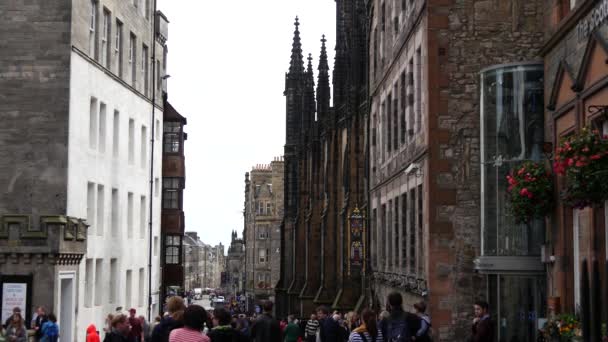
(204, 302)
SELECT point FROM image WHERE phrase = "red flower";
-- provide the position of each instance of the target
(521, 171)
(595, 157)
(580, 163)
(585, 149)
(570, 161)
(525, 192)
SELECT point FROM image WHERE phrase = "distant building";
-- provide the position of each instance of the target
(263, 216)
(203, 263)
(234, 273)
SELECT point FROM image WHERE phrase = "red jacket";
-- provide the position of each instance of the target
(92, 335)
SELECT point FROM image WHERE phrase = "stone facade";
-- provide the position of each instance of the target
(262, 236)
(62, 161)
(203, 263)
(235, 266)
(425, 60)
(324, 172)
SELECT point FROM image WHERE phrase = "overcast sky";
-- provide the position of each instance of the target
(227, 61)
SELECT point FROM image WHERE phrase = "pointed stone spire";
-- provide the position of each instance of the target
(296, 66)
(308, 116)
(323, 89)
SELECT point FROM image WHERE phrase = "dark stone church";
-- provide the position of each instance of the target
(325, 187)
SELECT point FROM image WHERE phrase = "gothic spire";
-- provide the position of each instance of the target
(297, 63)
(323, 90)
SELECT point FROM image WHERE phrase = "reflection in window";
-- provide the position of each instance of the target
(512, 132)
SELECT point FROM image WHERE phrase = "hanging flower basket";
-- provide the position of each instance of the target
(583, 159)
(531, 192)
(563, 328)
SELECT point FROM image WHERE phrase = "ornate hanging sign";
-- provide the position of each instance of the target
(356, 245)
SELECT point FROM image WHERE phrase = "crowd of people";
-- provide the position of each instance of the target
(192, 323)
(44, 327)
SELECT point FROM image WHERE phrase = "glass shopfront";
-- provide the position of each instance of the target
(512, 130)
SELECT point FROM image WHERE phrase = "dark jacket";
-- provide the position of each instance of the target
(411, 321)
(483, 330)
(163, 329)
(330, 331)
(266, 329)
(115, 337)
(226, 334)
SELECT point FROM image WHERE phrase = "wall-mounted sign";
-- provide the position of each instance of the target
(598, 16)
(356, 247)
(14, 295)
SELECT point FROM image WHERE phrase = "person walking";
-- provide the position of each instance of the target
(266, 328)
(222, 330)
(92, 335)
(119, 331)
(312, 328)
(292, 330)
(175, 307)
(482, 329)
(50, 329)
(368, 331)
(329, 330)
(137, 331)
(15, 331)
(195, 318)
(146, 328)
(400, 325)
(16, 310)
(423, 334)
(41, 318)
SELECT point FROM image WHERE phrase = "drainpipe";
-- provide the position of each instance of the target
(151, 193)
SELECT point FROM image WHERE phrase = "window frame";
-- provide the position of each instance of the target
(172, 242)
(173, 186)
(176, 138)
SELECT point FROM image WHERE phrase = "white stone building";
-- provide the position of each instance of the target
(111, 129)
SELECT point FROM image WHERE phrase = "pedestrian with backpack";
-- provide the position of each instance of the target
(368, 330)
(423, 334)
(400, 326)
(49, 330)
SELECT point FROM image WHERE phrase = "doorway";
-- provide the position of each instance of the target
(66, 307)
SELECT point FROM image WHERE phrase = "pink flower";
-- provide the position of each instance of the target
(586, 149)
(595, 157)
(525, 192)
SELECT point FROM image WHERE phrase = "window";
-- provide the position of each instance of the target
(131, 141)
(118, 48)
(91, 206)
(156, 187)
(395, 240)
(418, 90)
(421, 251)
(158, 77)
(403, 5)
(128, 288)
(383, 13)
(113, 280)
(106, 35)
(262, 232)
(404, 236)
(115, 134)
(98, 279)
(102, 127)
(144, 146)
(142, 287)
(262, 255)
(396, 117)
(268, 208)
(100, 209)
(93, 123)
(88, 283)
(144, 69)
(132, 59)
(412, 232)
(130, 215)
(383, 123)
(114, 208)
(389, 236)
(172, 188)
(172, 247)
(172, 137)
(389, 121)
(142, 217)
(410, 99)
(382, 238)
(376, 42)
(93, 30)
(402, 98)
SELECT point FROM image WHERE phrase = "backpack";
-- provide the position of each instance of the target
(397, 330)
